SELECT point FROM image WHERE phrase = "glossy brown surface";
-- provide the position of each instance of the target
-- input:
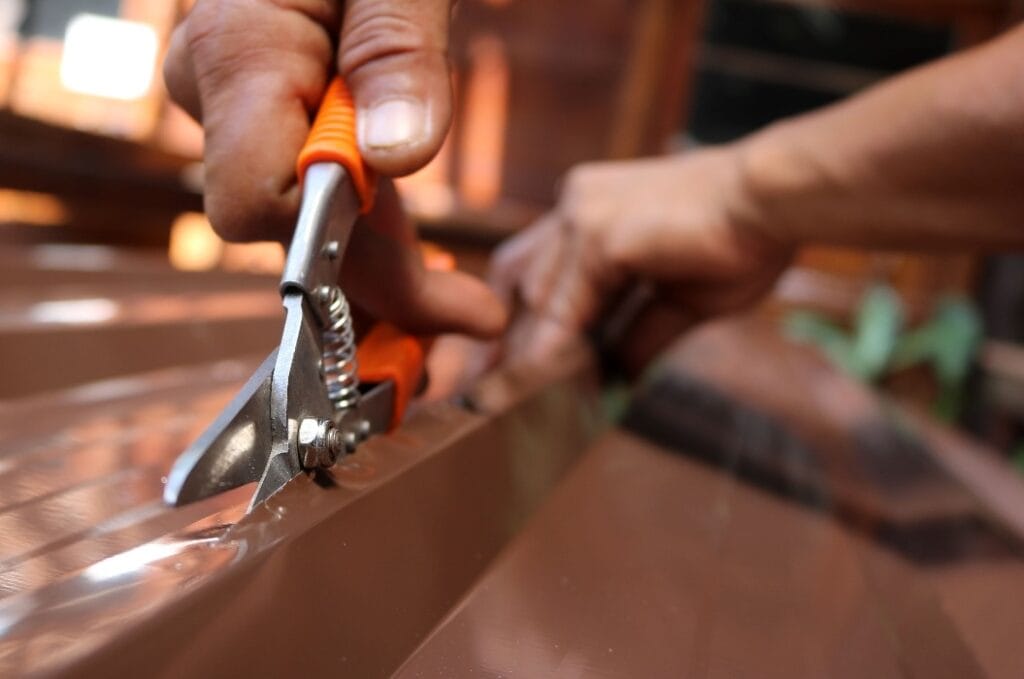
(419, 554)
(74, 315)
(645, 564)
(790, 423)
(345, 574)
(37, 269)
(81, 472)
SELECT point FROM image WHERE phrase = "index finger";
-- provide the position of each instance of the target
(253, 91)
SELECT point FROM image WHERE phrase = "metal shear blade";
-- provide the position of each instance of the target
(256, 437)
(232, 451)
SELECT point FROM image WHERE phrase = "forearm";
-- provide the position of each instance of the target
(933, 159)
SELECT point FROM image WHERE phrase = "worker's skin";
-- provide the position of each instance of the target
(251, 71)
(931, 160)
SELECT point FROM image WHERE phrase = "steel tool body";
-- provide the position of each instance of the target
(318, 395)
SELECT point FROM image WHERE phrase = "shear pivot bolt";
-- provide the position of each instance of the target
(319, 443)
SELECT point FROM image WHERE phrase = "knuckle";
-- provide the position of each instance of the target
(584, 223)
(206, 23)
(256, 214)
(373, 31)
(504, 261)
(591, 205)
(227, 49)
(209, 36)
(574, 184)
(324, 12)
(172, 80)
(621, 253)
(581, 177)
(577, 198)
(225, 219)
(176, 69)
(219, 36)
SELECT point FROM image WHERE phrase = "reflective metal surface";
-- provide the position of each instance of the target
(773, 532)
(74, 315)
(646, 564)
(792, 425)
(231, 452)
(297, 392)
(81, 472)
(361, 562)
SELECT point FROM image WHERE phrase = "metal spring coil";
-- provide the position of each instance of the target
(339, 367)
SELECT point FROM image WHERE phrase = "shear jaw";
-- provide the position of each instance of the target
(265, 433)
(296, 394)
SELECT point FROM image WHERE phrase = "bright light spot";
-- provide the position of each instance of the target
(261, 257)
(108, 57)
(482, 151)
(73, 311)
(194, 245)
(131, 561)
(30, 207)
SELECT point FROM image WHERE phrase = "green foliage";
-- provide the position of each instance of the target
(879, 321)
(877, 345)
(948, 341)
(807, 326)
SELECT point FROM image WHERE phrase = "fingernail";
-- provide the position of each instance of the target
(393, 123)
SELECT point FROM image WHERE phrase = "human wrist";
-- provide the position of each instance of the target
(772, 182)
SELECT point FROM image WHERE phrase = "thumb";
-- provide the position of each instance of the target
(393, 54)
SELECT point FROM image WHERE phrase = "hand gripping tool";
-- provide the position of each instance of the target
(318, 395)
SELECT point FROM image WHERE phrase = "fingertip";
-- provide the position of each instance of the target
(397, 135)
(246, 204)
(402, 132)
(497, 318)
(460, 302)
(403, 109)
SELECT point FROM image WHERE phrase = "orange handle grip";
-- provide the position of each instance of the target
(386, 353)
(333, 139)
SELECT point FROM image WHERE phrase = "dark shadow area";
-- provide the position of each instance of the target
(881, 464)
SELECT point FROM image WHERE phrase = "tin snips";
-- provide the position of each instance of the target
(319, 394)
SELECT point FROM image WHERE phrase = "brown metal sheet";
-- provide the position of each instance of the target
(787, 421)
(344, 574)
(641, 563)
(81, 472)
(61, 338)
(31, 271)
(75, 314)
(646, 564)
(983, 598)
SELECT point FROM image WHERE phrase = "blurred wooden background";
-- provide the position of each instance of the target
(540, 86)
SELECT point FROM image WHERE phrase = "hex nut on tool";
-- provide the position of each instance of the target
(318, 443)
